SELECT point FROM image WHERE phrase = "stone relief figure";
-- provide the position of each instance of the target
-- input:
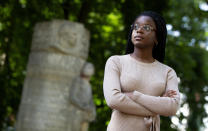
(81, 96)
(57, 94)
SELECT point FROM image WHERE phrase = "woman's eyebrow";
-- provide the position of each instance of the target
(143, 24)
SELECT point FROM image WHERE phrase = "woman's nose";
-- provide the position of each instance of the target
(139, 30)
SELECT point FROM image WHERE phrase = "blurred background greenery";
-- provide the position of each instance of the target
(109, 22)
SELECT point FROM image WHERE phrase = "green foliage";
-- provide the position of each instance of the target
(108, 22)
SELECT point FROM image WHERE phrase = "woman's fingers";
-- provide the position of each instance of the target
(170, 93)
(129, 94)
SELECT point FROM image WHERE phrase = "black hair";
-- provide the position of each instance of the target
(158, 50)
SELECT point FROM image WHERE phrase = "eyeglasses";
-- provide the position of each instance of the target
(146, 28)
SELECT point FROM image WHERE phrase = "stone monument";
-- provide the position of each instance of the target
(57, 94)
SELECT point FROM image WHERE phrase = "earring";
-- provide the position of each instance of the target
(156, 43)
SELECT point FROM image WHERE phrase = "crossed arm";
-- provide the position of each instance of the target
(136, 103)
(166, 105)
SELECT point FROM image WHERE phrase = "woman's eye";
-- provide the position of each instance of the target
(147, 28)
(136, 27)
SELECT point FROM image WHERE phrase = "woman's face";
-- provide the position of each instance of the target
(144, 32)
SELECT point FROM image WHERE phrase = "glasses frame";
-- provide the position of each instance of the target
(137, 27)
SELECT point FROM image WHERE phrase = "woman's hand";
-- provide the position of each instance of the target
(129, 94)
(170, 93)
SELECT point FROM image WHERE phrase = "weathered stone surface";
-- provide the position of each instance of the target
(80, 94)
(57, 94)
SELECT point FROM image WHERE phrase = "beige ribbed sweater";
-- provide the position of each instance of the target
(148, 82)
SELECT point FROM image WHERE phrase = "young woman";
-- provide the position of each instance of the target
(138, 86)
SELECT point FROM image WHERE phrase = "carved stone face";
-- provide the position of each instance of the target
(88, 69)
(74, 39)
(63, 37)
(67, 36)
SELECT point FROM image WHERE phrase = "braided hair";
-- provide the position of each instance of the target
(158, 50)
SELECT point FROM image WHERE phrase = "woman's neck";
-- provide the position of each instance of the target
(143, 55)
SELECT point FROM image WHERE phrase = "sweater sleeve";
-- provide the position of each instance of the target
(165, 106)
(115, 99)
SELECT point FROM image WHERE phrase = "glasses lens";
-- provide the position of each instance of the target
(147, 28)
(136, 27)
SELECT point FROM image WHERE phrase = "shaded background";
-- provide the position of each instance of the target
(109, 22)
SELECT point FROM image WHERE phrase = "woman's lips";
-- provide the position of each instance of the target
(138, 38)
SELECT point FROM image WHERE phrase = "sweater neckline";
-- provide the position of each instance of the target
(143, 63)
